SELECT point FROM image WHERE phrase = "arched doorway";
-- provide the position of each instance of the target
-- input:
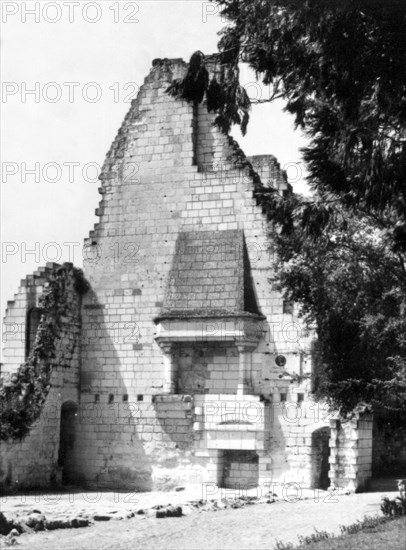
(67, 441)
(320, 458)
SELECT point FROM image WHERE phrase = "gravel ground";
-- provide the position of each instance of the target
(250, 527)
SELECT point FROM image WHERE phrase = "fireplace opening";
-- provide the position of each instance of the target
(240, 469)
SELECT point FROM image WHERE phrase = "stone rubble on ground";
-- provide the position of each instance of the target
(34, 520)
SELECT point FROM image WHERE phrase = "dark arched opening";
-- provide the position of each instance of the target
(67, 441)
(320, 458)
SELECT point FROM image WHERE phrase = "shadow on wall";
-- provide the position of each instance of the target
(277, 442)
(175, 463)
(174, 414)
(109, 446)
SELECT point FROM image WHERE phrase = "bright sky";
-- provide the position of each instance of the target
(84, 60)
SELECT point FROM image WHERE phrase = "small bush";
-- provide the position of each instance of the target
(279, 545)
(317, 536)
(369, 522)
(314, 537)
(394, 507)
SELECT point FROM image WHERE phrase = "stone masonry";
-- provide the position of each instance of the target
(33, 461)
(192, 367)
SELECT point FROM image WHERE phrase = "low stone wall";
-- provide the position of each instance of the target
(31, 460)
(351, 453)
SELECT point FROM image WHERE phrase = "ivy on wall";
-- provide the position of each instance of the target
(223, 91)
(229, 101)
(22, 399)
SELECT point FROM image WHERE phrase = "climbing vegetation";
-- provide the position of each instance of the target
(23, 397)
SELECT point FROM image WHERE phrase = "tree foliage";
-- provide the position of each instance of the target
(222, 90)
(352, 288)
(341, 66)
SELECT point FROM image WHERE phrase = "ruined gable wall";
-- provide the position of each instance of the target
(153, 188)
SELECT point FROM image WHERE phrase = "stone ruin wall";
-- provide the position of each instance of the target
(16, 317)
(170, 170)
(33, 461)
(153, 188)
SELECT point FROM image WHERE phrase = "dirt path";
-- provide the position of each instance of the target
(253, 527)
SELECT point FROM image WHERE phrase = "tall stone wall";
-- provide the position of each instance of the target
(168, 171)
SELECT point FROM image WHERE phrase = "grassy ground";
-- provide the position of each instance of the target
(387, 536)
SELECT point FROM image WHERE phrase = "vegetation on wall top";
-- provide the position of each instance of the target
(22, 399)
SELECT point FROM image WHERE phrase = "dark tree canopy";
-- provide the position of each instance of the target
(341, 66)
(352, 288)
